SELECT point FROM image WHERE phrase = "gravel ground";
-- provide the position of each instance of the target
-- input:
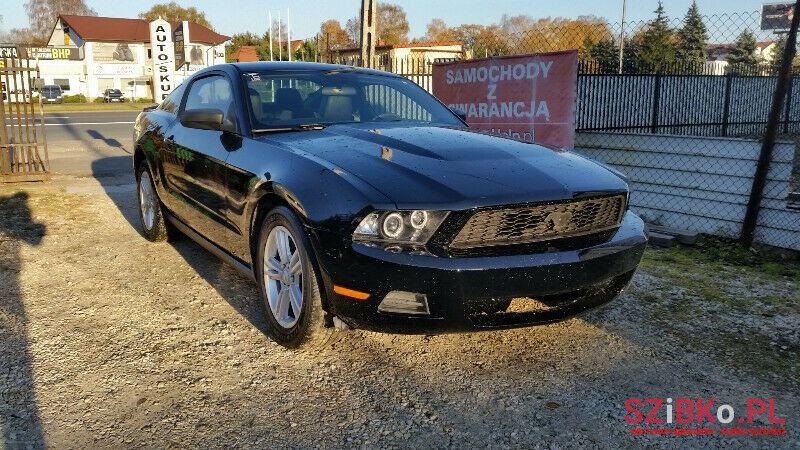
(111, 341)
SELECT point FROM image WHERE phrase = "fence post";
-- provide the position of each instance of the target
(656, 104)
(768, 145)
(726, 107)
(788, 110)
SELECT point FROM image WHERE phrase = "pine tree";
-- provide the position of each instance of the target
(630, 58)
(656, 51)
(776, 55)
(743, 58)
(605, 53)
(692, 40)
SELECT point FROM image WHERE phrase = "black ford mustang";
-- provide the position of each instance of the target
(353, 195)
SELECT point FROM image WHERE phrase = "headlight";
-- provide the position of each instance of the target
(407, 227)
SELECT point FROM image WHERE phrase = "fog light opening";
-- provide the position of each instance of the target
(402, 302)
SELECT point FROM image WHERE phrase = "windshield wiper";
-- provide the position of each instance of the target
(301, 127)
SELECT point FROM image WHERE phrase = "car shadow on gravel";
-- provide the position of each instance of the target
(20, 424)
(237, 290)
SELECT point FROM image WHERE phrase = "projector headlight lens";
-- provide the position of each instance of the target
(392, 225)
(402, 227)
(418, 219)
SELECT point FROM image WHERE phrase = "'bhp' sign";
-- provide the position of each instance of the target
(528, 97)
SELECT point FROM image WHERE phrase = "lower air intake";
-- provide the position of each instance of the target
(401, 302)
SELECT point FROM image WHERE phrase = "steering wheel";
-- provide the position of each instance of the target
(388, 117)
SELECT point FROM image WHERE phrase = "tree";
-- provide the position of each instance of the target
(242, 39)
(468, 34)
(656, 49)
(332, 36)
(173, 12)
(743, 57)
(605, 54)
(438, 31)
(353, 29)
(776, 54)
(392, 24)
(693, 40)
(517, 25)
(42, 15)
(307, 51)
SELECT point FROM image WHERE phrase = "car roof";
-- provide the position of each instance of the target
(51, 86)
(294, 65)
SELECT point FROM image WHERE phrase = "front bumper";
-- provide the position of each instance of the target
(458, 290)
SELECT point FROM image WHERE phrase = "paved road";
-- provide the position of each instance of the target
(90, 143)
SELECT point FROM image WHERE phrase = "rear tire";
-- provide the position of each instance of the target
(288, 283)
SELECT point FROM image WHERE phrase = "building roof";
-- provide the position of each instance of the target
(413, 45)
(93, 28)
(761, 45)
(245, 53)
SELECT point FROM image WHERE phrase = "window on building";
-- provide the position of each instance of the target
(63, 83)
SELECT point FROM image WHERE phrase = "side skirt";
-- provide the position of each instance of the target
(243, 268)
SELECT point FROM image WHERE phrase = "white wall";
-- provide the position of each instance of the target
(700, 184)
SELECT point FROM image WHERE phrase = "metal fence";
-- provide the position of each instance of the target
(686, 129)
(694, 105)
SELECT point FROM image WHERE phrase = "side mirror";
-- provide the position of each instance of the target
(206, 119)
(461, 114)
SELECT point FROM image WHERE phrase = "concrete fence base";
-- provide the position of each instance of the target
(701, 183)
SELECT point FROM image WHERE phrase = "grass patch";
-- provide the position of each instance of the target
(720, 254)
(728, 274)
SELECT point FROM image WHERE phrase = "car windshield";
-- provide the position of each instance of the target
(113, 91)
(282, 99)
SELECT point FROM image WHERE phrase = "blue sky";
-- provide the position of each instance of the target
(232, 16)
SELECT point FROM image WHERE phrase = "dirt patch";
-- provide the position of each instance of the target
(114, 341)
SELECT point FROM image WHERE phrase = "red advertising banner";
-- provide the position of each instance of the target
(527, 97)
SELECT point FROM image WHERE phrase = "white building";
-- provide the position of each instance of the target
(116, 53)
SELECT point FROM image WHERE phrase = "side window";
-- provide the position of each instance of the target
(386, 100)
(212, 92)
(173, 100)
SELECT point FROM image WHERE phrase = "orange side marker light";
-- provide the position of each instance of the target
(350, 293)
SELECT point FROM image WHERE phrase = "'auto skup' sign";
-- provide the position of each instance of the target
(527, 97)
(163, 58)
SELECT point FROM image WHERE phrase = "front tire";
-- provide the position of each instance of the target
(151, 216)
(288, 283)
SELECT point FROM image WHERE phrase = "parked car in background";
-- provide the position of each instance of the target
(51, 93)
(353, 195)
(113, 95)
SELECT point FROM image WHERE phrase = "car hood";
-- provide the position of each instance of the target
(453, 168)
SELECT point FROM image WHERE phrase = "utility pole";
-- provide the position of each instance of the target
(368, 34)
(622, 35)
(768, 144)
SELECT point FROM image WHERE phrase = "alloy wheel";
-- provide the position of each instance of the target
(147, 201)
(283, 276)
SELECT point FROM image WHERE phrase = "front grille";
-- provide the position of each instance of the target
(537, 223)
